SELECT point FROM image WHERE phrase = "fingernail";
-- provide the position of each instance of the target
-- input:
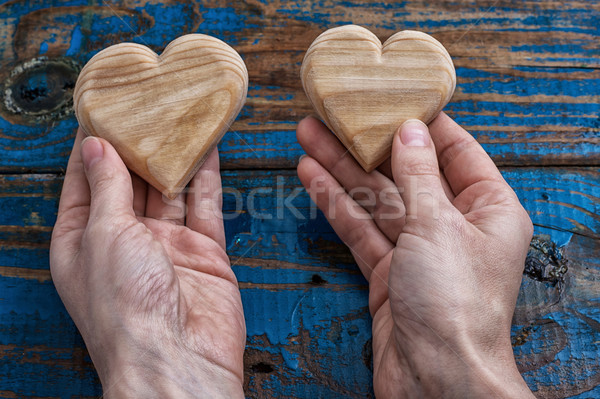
(91, 151)
(301, 158)
(414, 133)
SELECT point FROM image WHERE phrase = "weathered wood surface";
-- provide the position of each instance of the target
(305, 301)
(528, 88)
(528, 72)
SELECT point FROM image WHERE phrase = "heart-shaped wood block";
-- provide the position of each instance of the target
(365, 91)
(163, 114)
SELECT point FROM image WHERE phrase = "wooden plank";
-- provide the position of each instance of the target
(304, 299)
(528, 72)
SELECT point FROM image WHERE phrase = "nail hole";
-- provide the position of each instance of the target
(317, 280)
(261, 367)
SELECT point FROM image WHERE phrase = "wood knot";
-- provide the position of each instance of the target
(545, 262)
(39, 91)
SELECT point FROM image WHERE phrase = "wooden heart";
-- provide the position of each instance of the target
(364, 91)
(163, 114)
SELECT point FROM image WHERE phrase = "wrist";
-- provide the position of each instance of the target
(141, 381)
(164, 373)
(451, 370)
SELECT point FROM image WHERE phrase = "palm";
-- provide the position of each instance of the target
(208, 295)
(370, 229)
(375, 232)
(150, 263)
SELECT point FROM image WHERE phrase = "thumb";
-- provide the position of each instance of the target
(110, 182)
(416, 172)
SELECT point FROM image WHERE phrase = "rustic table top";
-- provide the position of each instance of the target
(528, 89)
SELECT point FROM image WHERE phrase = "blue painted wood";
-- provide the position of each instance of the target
(528, 76)
(304, 299)
(528, 79)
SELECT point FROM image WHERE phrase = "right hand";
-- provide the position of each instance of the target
(443, 251)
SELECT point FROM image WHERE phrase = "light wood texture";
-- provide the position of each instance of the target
(163, 114)
(364, 91)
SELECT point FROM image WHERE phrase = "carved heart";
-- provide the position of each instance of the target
(364, 91)
(163, 114)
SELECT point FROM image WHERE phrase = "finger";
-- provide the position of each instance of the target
(351, 222)
(72, 217)
(446, 186)
(140, 190)
(110, 184)
(75, 191)
(386, 169)
(205, 201)
(416, 171)
(463, 161)
(373, 191)
(159, 207)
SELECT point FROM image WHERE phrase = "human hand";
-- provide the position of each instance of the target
(442, 245)
(149, 287)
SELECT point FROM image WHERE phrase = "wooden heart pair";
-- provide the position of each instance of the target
(164, 114)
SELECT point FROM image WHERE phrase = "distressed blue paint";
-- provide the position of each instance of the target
(591, 394)
(526, 114)
(571, 48)
(224, 19)
(379, 4)
(330, 324)
(41, 322)
(258, 91)
(333, 332)
(588, 348)
(484, 82)
(29, 148)
(306, 325)
(170, 21)
(434, 20)
(31, 298)
(545, 69)
(76, 41)
(274, 145)
(28, 257)
(541, 190)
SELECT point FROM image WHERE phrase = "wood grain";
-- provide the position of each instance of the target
(293, 266)
(528, 72)
(163, 114)
(364, 90)
(528, 78)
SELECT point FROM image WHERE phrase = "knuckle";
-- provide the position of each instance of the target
(417, 167)
(107, 180)
(465, 143)
(527, 224)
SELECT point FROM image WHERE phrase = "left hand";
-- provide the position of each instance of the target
(149, 287)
